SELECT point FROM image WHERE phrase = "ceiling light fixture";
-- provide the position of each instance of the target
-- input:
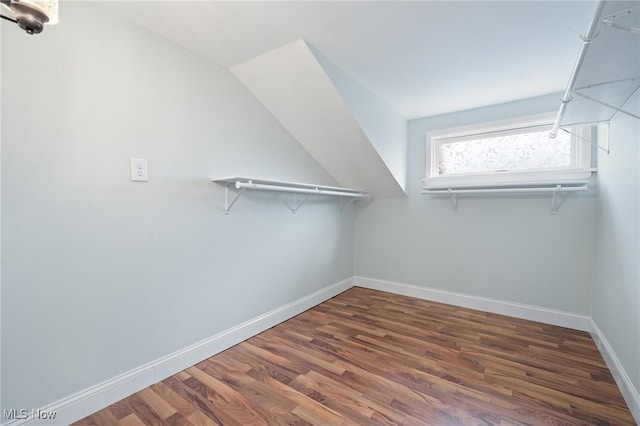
(31, 15)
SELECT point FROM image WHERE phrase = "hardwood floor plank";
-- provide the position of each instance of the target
(143, 411)
(333, 394)
(198, 418)
(233, 402)
(181, 405)
(277, 408)
(120, 409)
(158, 404)
(131, 420)
(200, 401)
(369, 357)
(177, 419)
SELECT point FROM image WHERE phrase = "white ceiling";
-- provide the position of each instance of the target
(423, 58)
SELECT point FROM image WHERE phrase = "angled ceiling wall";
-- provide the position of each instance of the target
(383, 125)
(291, 82)
(405, 53)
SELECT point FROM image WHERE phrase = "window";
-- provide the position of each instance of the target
(513, 154)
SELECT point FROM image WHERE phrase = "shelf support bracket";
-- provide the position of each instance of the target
(614, 108)
(454, 200)
(610, 20)
(227, 205)
(344, 206)
(602, 148)
(554, 200)
(295, 208)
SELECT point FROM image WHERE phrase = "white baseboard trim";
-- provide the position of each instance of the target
(534, 313)
(629, 391)
(81, 404)
(517, 310)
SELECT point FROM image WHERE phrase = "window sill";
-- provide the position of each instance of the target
(573, 182)
(508, 180)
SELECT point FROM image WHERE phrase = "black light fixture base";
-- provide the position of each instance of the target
(30, 19)
(8, 18)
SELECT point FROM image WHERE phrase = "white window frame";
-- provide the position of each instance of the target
(578, 172)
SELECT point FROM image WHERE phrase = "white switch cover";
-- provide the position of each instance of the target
(139, 170)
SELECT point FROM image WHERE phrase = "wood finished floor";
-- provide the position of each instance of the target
(369, 357)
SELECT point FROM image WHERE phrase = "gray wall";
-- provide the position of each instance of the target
(508, 248)
(616, 295)
(100, 274)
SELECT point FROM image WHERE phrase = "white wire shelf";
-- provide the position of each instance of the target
(554, 189)
(605, 79)
(243, 183)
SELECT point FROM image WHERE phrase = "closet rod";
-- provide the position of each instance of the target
(586, 41)
(558, 188)
(318, 191)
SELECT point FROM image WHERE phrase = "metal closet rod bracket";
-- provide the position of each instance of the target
(227, 205)
(295, 208)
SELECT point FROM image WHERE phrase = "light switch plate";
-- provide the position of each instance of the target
(139, 170)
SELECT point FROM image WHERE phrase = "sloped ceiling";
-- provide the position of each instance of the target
(412, 59)
(294, 87)
(423, 58)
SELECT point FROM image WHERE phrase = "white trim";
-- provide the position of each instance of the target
(495, 125)
(496, 306)
(509, 179)
(578, 169)
(534, 313)
(629, 391)
(83, 403)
